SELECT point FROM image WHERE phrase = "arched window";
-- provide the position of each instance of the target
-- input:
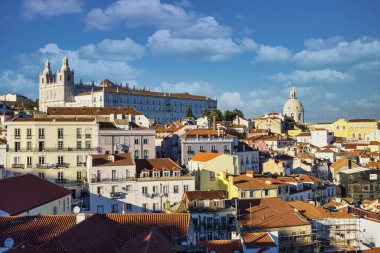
(353, 136)
(360, 136)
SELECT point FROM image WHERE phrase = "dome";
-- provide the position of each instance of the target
(293, 108)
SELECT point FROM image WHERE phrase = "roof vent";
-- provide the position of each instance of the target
(111, 158)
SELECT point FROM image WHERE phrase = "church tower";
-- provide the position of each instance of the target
(293, 108)
(56, 89)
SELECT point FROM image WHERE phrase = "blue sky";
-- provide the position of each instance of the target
(248, 54)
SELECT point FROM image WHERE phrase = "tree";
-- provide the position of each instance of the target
(206, 112)
(189, 113)
(217, 113)
(237, 112)
(228, 115)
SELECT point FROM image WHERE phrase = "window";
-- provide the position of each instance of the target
(88, 145)
(79, 160)
(145, 141)
(201, 149)
(88, 133)
(28, 146)
(155, 189)
(137, 154)
(17, 146)
(144, 189)
(60, 175)
(29, 162)
(60, 133)
(79, 145)
(41, 146)
(114, 208)
(55, 210)
(156, 174)
(113, 175)
(41, 133)
(79, 133)
(127, 173)
(17, 133)
(165, 189)
(100, 209)
(213, 148)
(251, 194)
(60, 159)
(41, 160)
(29, 133)
(41, 175)
(242, 194)
(216, 203)
(128, 207)
(128, 188)
(64, 206)
(185, 188)
(79, 176)
(136, 140)
(266, 192)
(175, 189)
(166, 173)
(60, 145)
(145, 154)
(155, 207)
(99, 190)
(144, 207)
(212, 176)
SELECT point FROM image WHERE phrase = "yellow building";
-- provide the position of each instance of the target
(354, 129)
(248, 186)
(51, 148)
(206, 168)
(277, 166)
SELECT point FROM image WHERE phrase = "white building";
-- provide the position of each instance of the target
(293, 108)
(60, 90)
(118, 183)
(321, 137)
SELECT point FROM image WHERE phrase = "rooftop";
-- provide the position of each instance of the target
(92, 111)
(201, 195)
(121, 159)
(13, 197)
(314, 212)
(204, 156)
(222, 246)
(261, 240)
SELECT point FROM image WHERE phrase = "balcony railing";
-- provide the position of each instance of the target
(88, 136)
(214, 151)
(190, 151)
(61, 181)
(53, 150)
(107, 179)
(52, 165)
(116, 195)
(18, 166)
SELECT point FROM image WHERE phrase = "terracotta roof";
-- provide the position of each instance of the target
(222, 246)
(373, 165)
(326, 150)
(247, 182)
(107, 125)
(341, 163)
(3, 141)
(304, 134)
(243, 147)
(204, 156)
(314, 212)
(97, 233)
(361, 120)
(260, 240)
(121, 159)
(13, 197)
(157, 163)
(305, 178)
(55, 119)
(200, 195)
(92, 111)
(207, 132)
(333, 203)
(268, 213)
(374, 143)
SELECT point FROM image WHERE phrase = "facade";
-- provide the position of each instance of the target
(120, 184)
(293, 108)
(11, 97)
(213, 215)
(355, 129)
(321, 137)
(279, 165)
(51, 148)
(3, 153)
(60, 90)
(273, 123)
(31, 195)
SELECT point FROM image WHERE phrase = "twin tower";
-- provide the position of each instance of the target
(55, 90)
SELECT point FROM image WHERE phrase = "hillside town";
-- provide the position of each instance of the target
(107, 167)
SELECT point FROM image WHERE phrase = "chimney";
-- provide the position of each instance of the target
(80, 217)
(349, 164)
(111, 158)
(214, 123)
(249, 173)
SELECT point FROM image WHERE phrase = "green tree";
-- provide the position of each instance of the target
(228, 115)
(237, 112)
(206, 112)
(189, 112)
(217, 113)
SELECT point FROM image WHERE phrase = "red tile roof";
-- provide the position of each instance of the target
(222, 246)
(161, 164)
(204, 156)
(22, 193)
(247, 182)
(314, 212)
(268, 213)
(121, 159)
(200, 195)
(260, 240)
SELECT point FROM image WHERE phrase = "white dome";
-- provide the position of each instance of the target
(293, 108)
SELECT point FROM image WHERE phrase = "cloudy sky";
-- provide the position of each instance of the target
(246, 53)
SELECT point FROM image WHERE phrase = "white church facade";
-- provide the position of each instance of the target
(60, 90)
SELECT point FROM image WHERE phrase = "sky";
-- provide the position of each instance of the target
(247, 54)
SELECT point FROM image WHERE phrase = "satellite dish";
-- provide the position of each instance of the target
(76, 209)
(9, 242)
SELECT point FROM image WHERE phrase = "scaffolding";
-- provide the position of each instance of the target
(336, 234)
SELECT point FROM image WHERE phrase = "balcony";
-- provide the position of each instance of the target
(41, 137)
(60, 181)
(52, 165)
(53, 150)
(116, 195)
(214, 151)
(88, 136)
(79, 136)
(18, 166)
(107, 179)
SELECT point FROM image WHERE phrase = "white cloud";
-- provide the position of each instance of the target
(195, 88)
(162, 43)
(230, 100)
(272, 54)
(330, 95)
(320, 44)
(135, 13)
(49, 8)
(302, 77)
(361, 50)
(11, 82)
(118, 50)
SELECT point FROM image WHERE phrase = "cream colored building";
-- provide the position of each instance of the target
(293, 108)
(51, 148)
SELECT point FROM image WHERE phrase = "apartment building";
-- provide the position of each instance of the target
(120, 184)
(51, 148)
(212, 213)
